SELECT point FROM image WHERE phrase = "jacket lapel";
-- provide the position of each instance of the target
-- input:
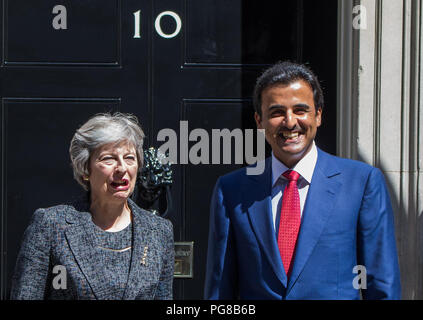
(82, 244)
(319, 205)
(257, 194)
(139, 271)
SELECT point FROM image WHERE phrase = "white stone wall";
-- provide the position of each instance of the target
(380, 113)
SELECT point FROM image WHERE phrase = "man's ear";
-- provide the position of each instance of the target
(258, 120)
(319, 116)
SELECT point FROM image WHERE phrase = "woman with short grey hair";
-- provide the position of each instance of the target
(100, 130)
(103, 246)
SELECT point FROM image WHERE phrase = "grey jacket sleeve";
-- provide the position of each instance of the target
(32, 266)
(164, 289)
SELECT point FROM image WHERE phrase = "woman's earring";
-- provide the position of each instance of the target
(85, 178)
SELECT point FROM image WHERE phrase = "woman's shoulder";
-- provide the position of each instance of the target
(57, 213)
(152, 218)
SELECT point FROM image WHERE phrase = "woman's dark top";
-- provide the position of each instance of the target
(115, 251)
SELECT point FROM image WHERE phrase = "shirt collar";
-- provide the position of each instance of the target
(305, 167)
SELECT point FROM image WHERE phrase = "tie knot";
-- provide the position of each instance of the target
(291, 175)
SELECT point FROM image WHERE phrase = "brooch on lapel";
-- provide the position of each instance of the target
(144, 256)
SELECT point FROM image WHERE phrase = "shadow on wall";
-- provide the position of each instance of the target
(408, 234)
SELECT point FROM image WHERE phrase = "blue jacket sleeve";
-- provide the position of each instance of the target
(376, 241)
(221, 276)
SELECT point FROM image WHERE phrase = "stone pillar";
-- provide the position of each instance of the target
(380, 114)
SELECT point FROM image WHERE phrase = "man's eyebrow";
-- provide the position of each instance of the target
(299, 105)
(302, 105)
(276, 106)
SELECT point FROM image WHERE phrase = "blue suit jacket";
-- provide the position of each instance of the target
(347, 221)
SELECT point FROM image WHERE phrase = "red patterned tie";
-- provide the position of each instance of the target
(290, 220)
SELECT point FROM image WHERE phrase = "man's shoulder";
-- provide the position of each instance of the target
(242, 174)
(325, 161)
(354, 170)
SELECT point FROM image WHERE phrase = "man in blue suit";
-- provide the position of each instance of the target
(312, 226)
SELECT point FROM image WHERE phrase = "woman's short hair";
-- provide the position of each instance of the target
(101, 129)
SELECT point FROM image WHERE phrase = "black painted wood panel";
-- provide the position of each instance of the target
(52, 80)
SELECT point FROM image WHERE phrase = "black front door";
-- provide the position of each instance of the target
(172, 63)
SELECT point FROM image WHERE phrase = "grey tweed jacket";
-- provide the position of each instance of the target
(59, 236)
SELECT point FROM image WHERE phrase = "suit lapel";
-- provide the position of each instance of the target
(319, 205)
(82, 244)
(257, 194)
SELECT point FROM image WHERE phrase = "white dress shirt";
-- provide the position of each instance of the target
(305, 167)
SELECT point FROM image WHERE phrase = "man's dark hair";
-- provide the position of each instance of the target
(285, 73)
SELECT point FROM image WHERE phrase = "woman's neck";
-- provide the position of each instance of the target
(110, 217)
